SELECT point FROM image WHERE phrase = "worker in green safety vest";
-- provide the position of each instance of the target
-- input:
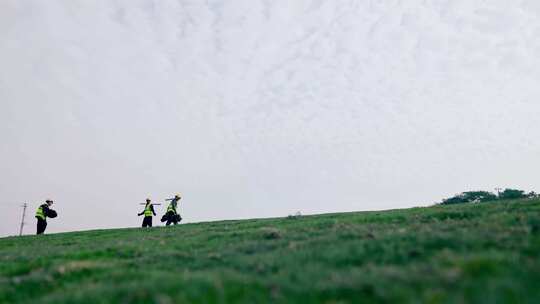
(148, 212)
(42, 212)
(172, 215)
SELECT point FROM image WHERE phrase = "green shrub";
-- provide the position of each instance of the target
(512, 194)
(470, 197)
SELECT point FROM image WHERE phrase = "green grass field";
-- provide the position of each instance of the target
(470, 253)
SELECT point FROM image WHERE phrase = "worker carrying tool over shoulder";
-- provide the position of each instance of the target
(148, 212)
(42, 213)
(172, 216)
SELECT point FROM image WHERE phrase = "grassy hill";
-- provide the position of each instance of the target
(476, 253)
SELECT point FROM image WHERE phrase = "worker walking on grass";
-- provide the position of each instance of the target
(172, 216)
(148, 212)
(42, 213)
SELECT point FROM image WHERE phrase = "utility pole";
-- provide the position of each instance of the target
(498, 191)
(22, 220)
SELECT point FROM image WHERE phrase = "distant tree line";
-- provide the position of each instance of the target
(486, 196)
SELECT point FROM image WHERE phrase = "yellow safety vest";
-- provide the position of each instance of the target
(171, 208)
(39, 213)
(148, 210)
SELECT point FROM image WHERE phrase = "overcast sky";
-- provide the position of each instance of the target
(262, 108)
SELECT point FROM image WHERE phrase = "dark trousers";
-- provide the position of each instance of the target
(41, 225)
(171, 218)
(147, 221)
